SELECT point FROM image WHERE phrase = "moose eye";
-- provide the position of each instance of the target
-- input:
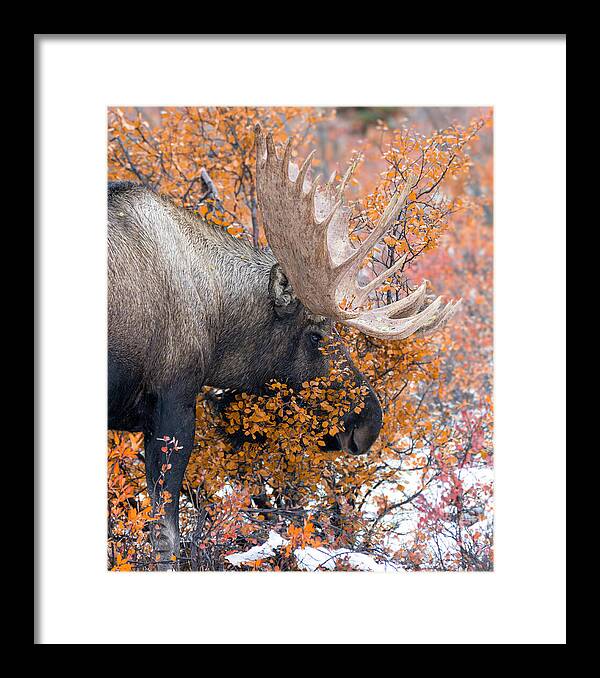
(315, 338)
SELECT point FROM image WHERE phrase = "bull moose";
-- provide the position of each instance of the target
(190, 305)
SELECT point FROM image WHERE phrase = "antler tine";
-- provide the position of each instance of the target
(344, 181)
(325, 223)
(439, 323)
(285, 163)
(259, 141)
(307, 229)
(271, 151)
(410, 304)
(313, 189)
(383, 223)
(374, 284)
(382, 326)
(302, 173)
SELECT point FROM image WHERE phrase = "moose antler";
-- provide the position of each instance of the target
(307, 229)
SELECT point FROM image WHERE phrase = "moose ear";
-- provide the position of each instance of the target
(281, 293)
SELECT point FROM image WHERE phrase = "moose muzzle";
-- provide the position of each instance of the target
(362, 429)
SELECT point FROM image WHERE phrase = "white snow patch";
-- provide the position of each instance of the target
(258, 552)
(311, 558)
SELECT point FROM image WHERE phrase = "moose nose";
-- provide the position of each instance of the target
(361, 430)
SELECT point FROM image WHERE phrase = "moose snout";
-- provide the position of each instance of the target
(362, 429)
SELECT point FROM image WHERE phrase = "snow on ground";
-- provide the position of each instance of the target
(310, 558)
(258, 552)
(404, 523)
(402, 527)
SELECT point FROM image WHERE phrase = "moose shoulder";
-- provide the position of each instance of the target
(190, 305)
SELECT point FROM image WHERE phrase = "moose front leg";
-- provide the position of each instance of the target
(168, 442)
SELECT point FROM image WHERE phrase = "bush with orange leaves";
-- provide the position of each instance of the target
(422, 499)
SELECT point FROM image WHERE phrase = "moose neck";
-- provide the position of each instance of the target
(245, 333)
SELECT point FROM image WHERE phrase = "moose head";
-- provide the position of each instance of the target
(314, 283)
